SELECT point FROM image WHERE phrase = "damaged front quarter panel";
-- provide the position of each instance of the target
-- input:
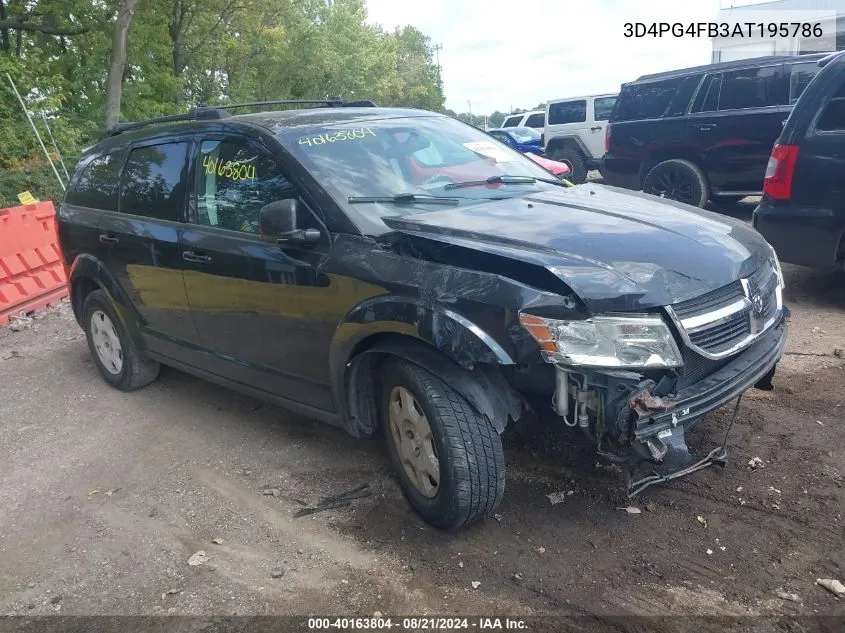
(454, 300)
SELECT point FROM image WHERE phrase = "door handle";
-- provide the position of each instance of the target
(108, 239)
(593, 129)
(191, 256)
(704, 127)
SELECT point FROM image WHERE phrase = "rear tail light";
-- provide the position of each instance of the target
(607, 139)
(777, 183)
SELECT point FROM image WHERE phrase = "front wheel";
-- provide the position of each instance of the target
(449, 457)
(678, 180)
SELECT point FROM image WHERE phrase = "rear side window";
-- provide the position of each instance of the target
(602, 108)
(512, 121)
(753, 88)
(800, 76)
(656, 99)
(832, 118)
(568, 112)
(96, 186)
(536, 120)
(154, 181)
(234, 180)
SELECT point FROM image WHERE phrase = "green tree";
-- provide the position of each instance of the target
(181, 53)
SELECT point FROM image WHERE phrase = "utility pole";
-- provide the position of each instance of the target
(469, 104)
(437, 49)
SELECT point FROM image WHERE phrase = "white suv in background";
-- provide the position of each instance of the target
(574, 132)
(535, 119)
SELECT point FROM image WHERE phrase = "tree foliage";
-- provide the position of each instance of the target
(189, 52)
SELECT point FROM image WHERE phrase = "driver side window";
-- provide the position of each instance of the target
(234, 181)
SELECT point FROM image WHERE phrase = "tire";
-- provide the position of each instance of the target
(119, 361)
(467, 449)
(577, 164)
(678, 180)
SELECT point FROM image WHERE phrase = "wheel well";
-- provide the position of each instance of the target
(360, 389)
(563, 143)
(484, 386)
(80, 289)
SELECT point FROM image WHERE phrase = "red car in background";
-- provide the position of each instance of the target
(557, 168)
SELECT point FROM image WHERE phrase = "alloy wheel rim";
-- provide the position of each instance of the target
(106, 342)
(674, 185)
(414, 442)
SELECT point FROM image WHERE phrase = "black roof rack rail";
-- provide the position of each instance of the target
(215, 112)
(334, 102)
(194, 114)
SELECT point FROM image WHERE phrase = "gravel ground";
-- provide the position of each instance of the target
(105, 496)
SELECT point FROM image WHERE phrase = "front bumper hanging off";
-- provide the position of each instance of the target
(659, 433)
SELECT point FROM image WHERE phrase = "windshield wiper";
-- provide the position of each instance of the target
(504, 179)
(402, 198)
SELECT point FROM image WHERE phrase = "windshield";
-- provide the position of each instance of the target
(525, 134)
(410, 155)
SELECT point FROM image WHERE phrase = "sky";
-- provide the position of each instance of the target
(500, 54)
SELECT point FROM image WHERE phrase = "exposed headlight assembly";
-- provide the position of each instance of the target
(635, 340)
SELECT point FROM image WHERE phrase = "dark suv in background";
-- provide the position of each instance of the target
(703, 132)
(802, 212)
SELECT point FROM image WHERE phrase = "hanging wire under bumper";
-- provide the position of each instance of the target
(718, 456)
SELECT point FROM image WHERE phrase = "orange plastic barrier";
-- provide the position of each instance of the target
(32, 273)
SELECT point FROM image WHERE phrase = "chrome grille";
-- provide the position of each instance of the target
(711, 301)
(720, 337)
(723, 321)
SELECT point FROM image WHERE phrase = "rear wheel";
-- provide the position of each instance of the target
(678, 180)
(116, 356)
(576, 162)
(449, 458)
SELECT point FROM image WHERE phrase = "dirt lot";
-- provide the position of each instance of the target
(105, 496)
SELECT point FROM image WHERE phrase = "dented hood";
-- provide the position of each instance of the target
(618, 250)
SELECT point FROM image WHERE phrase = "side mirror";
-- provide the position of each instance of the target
(278, 220)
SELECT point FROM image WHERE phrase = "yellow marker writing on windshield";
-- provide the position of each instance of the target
(342, 135)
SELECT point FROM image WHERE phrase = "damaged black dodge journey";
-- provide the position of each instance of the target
(400, 272)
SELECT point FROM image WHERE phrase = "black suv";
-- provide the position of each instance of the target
(704, 132)
(802, 212)
(399, 271)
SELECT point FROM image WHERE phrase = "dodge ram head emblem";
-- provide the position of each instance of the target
(755, 298)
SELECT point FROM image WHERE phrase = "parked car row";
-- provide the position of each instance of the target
(722, 132)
